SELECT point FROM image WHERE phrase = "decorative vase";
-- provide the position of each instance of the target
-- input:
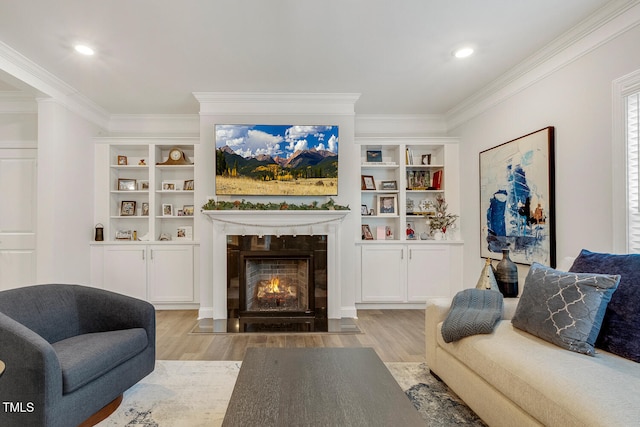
(487, 280)
(507, 276)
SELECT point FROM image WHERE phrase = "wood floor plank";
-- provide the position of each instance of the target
(395, 335)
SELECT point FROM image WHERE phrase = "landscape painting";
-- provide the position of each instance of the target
(517, 199)
(287, 160)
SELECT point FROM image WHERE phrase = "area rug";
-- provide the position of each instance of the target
(196, 394)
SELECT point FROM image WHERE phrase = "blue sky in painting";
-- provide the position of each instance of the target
(276, 140)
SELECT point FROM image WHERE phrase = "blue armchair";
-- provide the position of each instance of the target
(69, 351)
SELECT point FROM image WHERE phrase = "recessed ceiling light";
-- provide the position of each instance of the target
(84, 49)
(463, 52)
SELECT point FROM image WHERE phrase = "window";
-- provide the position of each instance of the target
(626, 163)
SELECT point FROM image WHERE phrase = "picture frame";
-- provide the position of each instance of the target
(366, 232)
(127, 208)
(145, 209)
(387, 204)
(517, 199)
(364, 210)
(388, 185)
(374, 156)
(143, 185)
(168, 186)
(368, 182)
(127, 184)
(188, 185)
(167, 209)
(426, 159)
(122, 161)
(188, 210)
(184, 232)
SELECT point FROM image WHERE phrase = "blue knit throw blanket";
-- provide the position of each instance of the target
(473, 311)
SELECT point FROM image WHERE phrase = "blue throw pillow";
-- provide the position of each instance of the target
(563, 308)
(620, 331)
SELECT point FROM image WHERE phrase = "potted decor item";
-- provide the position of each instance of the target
(439, 221)
(507, 276)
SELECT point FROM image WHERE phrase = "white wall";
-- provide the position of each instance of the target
(576, 100)
(65, 194)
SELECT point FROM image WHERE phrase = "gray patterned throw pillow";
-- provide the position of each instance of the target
(565, 309)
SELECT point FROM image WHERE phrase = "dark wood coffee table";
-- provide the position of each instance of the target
(317, 387)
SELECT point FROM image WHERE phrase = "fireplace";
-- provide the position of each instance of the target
(274, 283)
(277, 283)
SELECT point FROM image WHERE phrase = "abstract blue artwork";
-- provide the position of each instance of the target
(517, 199)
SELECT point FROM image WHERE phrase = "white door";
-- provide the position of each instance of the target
(384, 273)
(18, 176)
(170, 273)
(125, 270)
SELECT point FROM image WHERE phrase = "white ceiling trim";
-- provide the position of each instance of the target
(394, 125)
(43, 81)
(154, 124)
(607, 23)
(224, 103)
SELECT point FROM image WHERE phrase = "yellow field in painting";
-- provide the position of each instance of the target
(248, 186)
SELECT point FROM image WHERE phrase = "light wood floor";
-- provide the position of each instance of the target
(396, 335)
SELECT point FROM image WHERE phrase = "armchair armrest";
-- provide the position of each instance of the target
(32, 370)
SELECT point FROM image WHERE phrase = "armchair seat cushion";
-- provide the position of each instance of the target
(84, 358)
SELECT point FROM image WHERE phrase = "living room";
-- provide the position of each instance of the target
(568, 83)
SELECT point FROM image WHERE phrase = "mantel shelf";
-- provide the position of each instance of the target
(274, 218)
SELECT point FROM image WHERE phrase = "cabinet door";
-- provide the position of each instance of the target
(383, 273)
(429, 272)
(171, 273)
(125, 270)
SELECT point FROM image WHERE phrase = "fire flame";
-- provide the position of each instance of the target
(274, 286)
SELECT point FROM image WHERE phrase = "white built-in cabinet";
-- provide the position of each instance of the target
(394, 267)
(134, 258)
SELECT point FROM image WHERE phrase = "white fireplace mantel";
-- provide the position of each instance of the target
(275, 222)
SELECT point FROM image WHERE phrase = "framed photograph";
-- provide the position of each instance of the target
(167, 209)
(168, 186)
(188, 185)
(387, 205)
(126, 184)
(366, 232)
(517, 199)
(122, 160)
(145, 209)
(187, 210)
(388, 185)
(368, 183)
(364, 210)
(127, 208)
(411, 231)
(374, 156)
(426, 159)
(184, 233)
(143, 185)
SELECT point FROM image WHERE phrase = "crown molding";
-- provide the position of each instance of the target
(155, 124)
(22, 68)
(276, 103)
(402, 124)
(611, 20)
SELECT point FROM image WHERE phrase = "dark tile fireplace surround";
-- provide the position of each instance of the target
(277, 283)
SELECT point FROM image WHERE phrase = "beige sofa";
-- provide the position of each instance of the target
(511, 378)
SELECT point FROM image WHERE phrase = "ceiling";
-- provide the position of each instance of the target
(151, 55)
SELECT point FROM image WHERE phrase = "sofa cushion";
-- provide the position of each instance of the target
(620, 331)
(565, 309)
(555, 386)
(84, 358)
